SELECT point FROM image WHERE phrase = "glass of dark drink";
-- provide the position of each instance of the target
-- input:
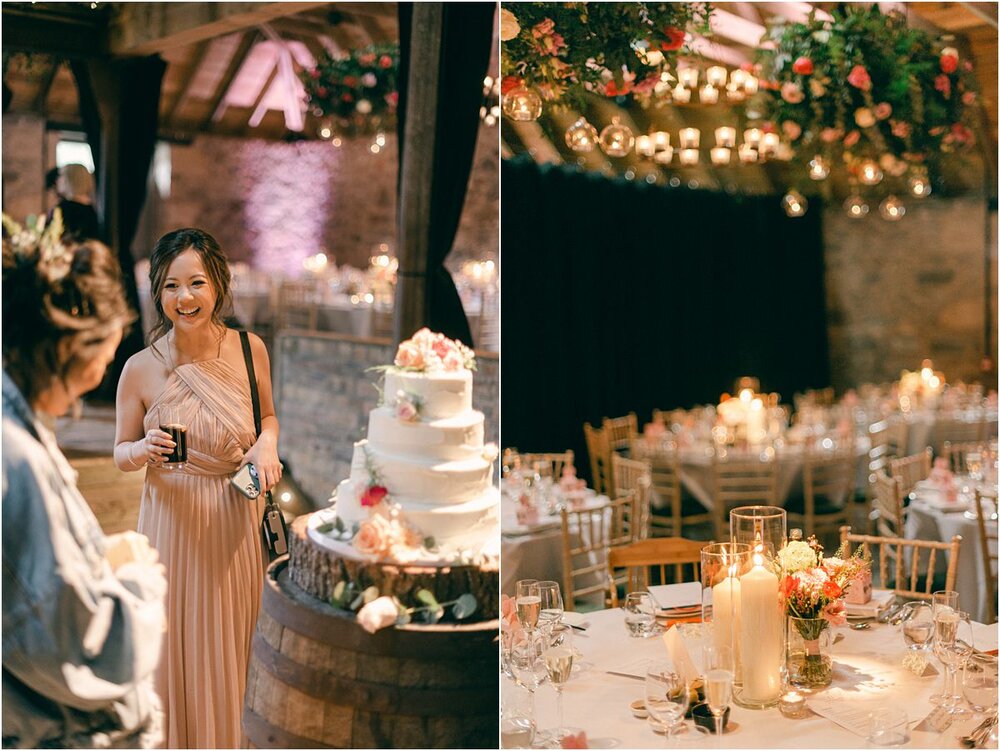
(171, 423)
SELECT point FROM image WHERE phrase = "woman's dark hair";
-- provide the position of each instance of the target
(213, 259)
(57, 311)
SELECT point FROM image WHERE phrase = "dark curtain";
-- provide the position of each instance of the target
(129, 91)
(627, 297)
(91, 119)
(467, 39)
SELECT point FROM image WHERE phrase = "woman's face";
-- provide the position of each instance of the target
(82, 376)
(188, 297)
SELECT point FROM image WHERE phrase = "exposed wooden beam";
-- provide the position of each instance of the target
(366, 9)
(374, 29)
(185, 88)
(986, 11)
(258, 105)
(235, 63)
(62, 36)
(149, 28)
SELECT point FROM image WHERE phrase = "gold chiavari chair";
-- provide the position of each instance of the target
(910, 470)
(675, 511)
(553, 462)
(740, 482)
(895, 549)
(599, 453)
(827, 492)
(656, 554)
(633, 476)
(297, 305)
(951, 430)
(888, 505)
(988, 550)
(587, 535)
(888, 441)
(955, 453)
(621, 431)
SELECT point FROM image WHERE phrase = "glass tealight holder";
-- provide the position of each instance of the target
(765, 525)
(792, 704)
(725, 137)
(689, 138)
(722, 565)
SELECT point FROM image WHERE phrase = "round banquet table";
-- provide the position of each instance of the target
(866, 664)
(928, 517)
(932, 428)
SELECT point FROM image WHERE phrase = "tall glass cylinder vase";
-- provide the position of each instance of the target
(762, 621)
(722, 565)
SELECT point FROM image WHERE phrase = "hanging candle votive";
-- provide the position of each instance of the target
(688, 77)
(869, 173)
(661, 140)
(644, 145)
(747, 153)
(720, 155)
(738, 78)
(752, 136)
(725, 137)
(856, 207)
(689, 138)
(892, 209)
(716, 76)
(689, 157)
(616, 139)
(709, 94)
(818, 168)
(750, 85)
(581, 136)
(664, 155)
(681, 95)
(919, 183)
(794, 203)
(522, 104)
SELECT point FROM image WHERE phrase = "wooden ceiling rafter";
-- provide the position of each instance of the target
(218, 105)
(261, 96)
(184, 92)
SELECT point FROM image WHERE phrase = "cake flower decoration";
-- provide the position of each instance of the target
(427, 351)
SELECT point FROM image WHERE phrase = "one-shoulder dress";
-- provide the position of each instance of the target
(208, 538)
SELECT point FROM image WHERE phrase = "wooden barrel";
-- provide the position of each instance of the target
(318, 680)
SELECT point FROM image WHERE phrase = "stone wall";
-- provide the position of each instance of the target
(899, 292)
(272, 204)
(323, 394)
(24, 165)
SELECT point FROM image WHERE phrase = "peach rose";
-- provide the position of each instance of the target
(370, 539)
(864, 117)
(791, 129)
(792, 92)
(452, 361)
(829, 135)
(410, 356)
(378, 614)
(883, 110)
(852, 138)
(835, 613)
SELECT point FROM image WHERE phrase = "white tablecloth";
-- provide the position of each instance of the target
(865, 661)
(926, 520)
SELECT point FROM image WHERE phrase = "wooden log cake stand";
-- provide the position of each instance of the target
(318, 680)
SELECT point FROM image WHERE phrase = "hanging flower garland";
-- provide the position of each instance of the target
(561, 50)
(865, 89)
(357, 92)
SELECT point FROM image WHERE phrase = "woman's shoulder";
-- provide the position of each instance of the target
(257, 346)
(147, 364)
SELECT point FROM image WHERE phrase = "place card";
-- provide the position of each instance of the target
(846, 709)
(677, 596)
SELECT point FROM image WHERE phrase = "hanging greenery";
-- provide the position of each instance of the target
(866, 86)
(358, 90)
(614, 49)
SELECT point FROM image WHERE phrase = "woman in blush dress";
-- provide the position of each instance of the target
(207, 534)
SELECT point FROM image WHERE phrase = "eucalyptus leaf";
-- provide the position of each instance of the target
(434, 614)
(324, 528)
(357, 601)
(370, 594)
(338, 524)
(402, 618)
(427, 597)
(338, 590)
(464, 606)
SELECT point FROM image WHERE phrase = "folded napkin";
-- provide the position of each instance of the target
(672, 596)
(678, 652)
(572, 618)
(881, 599)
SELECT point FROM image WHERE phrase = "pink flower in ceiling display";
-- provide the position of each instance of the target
(859, 78)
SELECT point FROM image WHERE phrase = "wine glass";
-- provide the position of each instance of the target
(719, 673)
(517, 722)
(979, 682)
(640, 618)
(550, 603)
(559, 665)
(527, 602)
(527, 667)
(944, 598)
(952, 646)
(917, 625)
(666, 696)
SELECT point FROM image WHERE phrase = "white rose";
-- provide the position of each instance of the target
(509, 27)
(369, 80)
(363, 106)
(821, 36)
(378, 614)
(950, 51)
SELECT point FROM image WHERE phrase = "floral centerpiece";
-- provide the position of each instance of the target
(867, 89)
(359, 90)
(812, 589)
(427, 351)
(614, 49)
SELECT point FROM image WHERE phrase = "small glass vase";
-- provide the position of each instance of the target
(808, 653)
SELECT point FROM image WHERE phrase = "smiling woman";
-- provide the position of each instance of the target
(189, 393)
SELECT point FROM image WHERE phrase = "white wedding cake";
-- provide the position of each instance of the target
(421, 484)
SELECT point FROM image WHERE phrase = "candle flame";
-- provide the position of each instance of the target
(758, 559)
(732, 570)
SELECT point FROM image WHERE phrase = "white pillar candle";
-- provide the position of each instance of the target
(681, 95)
(709, 94)
(751, 136)
(720, 155)
(769, 143)
(644, 146)
(688, 77)
(689, 157)
(725, 136)
(726, 614)
(716, 75)
(760, 625)
(664, 155)
(661, 139)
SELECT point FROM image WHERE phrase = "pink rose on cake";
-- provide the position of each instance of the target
(410, 356)
(407, 406)
(428, 351)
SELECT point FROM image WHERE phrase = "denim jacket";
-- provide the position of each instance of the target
(80, 642)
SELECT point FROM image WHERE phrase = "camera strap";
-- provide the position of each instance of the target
(275, 540)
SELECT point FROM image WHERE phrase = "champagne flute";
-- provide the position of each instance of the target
(952, 646)
(550, 604)
(528, 603)
(719, 674)
(666, 696)
(559, 664)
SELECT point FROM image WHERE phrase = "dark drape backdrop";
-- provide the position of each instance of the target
(467, 39)
(624, 297)
(119, 103)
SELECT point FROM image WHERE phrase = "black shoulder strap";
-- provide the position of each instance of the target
(254, 396)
